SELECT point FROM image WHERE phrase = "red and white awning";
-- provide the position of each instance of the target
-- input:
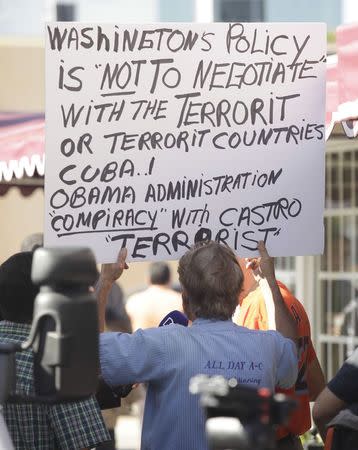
(22, 145)
(342, 82)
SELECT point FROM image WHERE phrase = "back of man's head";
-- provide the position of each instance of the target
(17, 292)
(212, 279)
(159, 273)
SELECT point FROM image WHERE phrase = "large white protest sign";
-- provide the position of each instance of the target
(161, 135)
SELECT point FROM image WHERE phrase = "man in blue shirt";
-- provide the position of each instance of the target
(167, 358)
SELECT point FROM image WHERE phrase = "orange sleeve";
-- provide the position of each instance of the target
(329, 439)
(299, 314)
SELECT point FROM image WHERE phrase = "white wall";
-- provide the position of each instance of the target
(20, 216)
(21, 17)
(27, 17)
(349, 11)
(204, 11)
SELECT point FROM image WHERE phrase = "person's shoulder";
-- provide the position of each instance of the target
(172, 336)
(344, 384)
(170, 294)
(175, 294)
(137, 294)
(177, 299)
(273, 336)
(267, 339)
(255, 332)
(270, 333)
(173, 329)
(282, 343)
(136, 297)
(353, 360)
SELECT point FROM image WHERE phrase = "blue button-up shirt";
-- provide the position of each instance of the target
(166, 358)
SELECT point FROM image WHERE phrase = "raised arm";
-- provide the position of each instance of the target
(326, 407)
(315, 379)
(109, 274)
(279, 317)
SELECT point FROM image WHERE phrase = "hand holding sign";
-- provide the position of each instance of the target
(263, 267)
(111, 272)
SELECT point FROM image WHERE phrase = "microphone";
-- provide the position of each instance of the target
(174, 317)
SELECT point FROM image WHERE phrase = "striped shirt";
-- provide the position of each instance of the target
(167, 358)
(69, 426)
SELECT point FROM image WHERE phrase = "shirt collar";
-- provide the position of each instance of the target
(212, 322)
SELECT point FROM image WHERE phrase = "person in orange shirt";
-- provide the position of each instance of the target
(257, 311)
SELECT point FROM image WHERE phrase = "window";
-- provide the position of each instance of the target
(337, 305)
(239, 10)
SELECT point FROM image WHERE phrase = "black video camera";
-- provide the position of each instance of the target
(64, 333)
(240, 417)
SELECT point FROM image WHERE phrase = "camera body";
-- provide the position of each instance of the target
(240, 417)
(64, 334)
